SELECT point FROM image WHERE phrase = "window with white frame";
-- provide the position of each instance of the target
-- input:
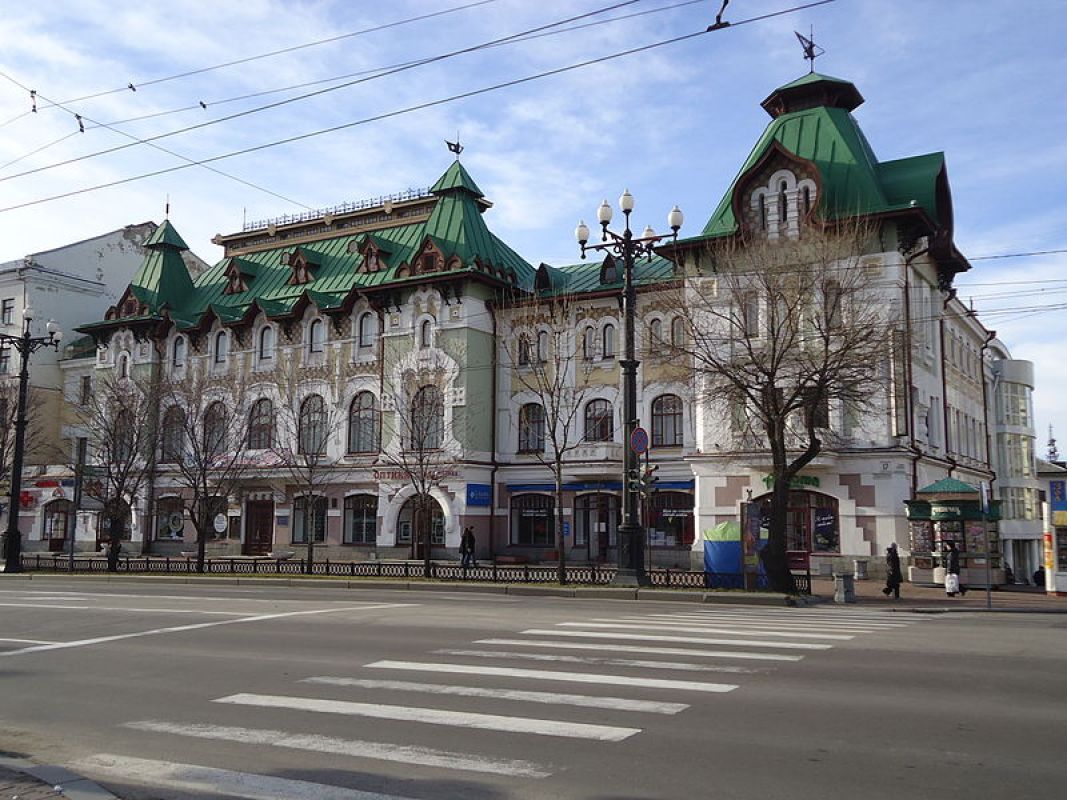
(361, 519)
(608, 341)
(426, 334)
(265, 350)
(532, 428)
(222, 347)
(599, 421)
(667, 421)
(261, 425)
(311, 427)
(309, 516)
(589, 343)
(178, 353)
(316, 336)
(363, 419)
(368, 329)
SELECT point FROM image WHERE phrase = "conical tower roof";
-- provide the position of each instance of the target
(163, 278)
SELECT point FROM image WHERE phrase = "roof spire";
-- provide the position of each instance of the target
(811, 50)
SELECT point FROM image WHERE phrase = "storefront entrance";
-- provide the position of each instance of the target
(811, 522)
(413, 521)
(259, 527)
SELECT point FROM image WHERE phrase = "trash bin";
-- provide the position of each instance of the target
(844, 588)
(861, 568)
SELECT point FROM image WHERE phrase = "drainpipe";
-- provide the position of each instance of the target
(908, 370)
(381, 398)
(944, 383)
(491, 307)
(149, 531)
(990, 336)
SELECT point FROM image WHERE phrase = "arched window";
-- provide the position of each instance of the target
(311, 427)
(177, 358)
(124, 366)
(261, 425)
(655, 333)
(763, 212)
(361, 519)
(782, 203)
(368, 328)
(316, 336)
(173, 435)
(678, 332)
(427, 419)
(124, 436)
(309, 516)
(524, 350)
(266, 343)
(832, 297)
(589, 344)
(533, 522)
(415, 516)
(58, 516)
(806, 194)
(222, 347)
(608, 341)
(426, 334)
(363, 424)
(667, 421)
(542, 347)
(532, 428)
(215, 429)
(599, 423)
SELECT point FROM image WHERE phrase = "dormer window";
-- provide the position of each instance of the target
(609, 273)
(303, 266)
(374, 252)
(429, 263)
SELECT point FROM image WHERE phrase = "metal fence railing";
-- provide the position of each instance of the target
(579, 575)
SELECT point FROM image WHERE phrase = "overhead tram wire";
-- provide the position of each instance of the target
(191, 162)
(360, 73)
(248, 59)
(412, 65)
(408, 109)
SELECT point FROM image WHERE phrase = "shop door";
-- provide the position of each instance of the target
(259, 527)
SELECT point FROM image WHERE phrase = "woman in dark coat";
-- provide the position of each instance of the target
(893, 575)
(952, 566)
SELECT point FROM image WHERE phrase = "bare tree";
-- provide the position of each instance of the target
(416, 438)
(307, 421)
(548, 367)
(36, 441)
(203, 446)
(777, 335)
(120, 419)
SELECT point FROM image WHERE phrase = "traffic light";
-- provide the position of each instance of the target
(644, 481)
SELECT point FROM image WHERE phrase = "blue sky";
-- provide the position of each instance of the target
(980, 80)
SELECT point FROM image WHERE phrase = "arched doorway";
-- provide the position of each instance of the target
(419, 514)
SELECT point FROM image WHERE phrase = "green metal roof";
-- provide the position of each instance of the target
(948, 486)
(455, 226)
(165, 236)
(584, 277)
(854, 182)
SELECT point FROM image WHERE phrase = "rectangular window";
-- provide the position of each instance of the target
(5, 359)
(750, 315)
(7, 313)
(900, 387)
(361, 513)
(85, 391)
(532, 521)
(302, 516)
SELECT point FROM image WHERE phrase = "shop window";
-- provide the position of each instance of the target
(412, 521)
(533, 521)
(58, 519)
(309, 516)
(812, 523)
(170, 518)
(596, 521)
(671, 521)
(361, 519)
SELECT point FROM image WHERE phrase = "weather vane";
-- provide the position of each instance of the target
(811, 50)
(455, 147)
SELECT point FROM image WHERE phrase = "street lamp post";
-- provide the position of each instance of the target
(25, 344)
(631, 534)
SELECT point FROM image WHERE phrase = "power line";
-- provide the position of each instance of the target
(319, 92)
(201, 105)
(141, 84)
(390, 114)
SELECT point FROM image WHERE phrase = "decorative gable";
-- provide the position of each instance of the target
(303, 265)
(429, 259)
(375, 253)
(239, 275)
(128, 306)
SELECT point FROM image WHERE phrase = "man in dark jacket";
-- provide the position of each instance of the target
(893, 576)
(466, 548)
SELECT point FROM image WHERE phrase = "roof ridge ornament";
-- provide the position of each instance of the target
(811, 50)
(455, 147)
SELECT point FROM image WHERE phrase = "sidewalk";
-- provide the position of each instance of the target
(28, 781)
(915, 597)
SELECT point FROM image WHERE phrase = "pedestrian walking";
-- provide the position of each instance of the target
(952, 571)
(893, 576)
(466, 548)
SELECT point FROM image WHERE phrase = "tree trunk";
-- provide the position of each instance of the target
(561, 542)
(114, 543)
(427, 531)
(201, 549)
(774, 556)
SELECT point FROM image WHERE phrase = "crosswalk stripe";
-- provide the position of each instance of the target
(838, 614)
(431, 716)
(549, 698)
(631, 648)
(218, 782)
(652, 637)
(547, 675)
(355, 748)
(613, 662)
(745, 625)
(709, 629)
(865, 627)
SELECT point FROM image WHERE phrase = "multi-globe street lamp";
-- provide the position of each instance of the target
(25, 344)
(631, 534)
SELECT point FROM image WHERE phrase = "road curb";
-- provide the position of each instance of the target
(71, 784)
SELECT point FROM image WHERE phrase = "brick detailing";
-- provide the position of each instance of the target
(730, 494)
(861, 495)
(868, 525)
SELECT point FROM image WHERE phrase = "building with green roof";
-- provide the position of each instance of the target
(418, 330)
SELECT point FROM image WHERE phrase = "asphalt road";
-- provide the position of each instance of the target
(159, 690)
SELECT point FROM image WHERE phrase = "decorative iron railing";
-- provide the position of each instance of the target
(578, 575)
